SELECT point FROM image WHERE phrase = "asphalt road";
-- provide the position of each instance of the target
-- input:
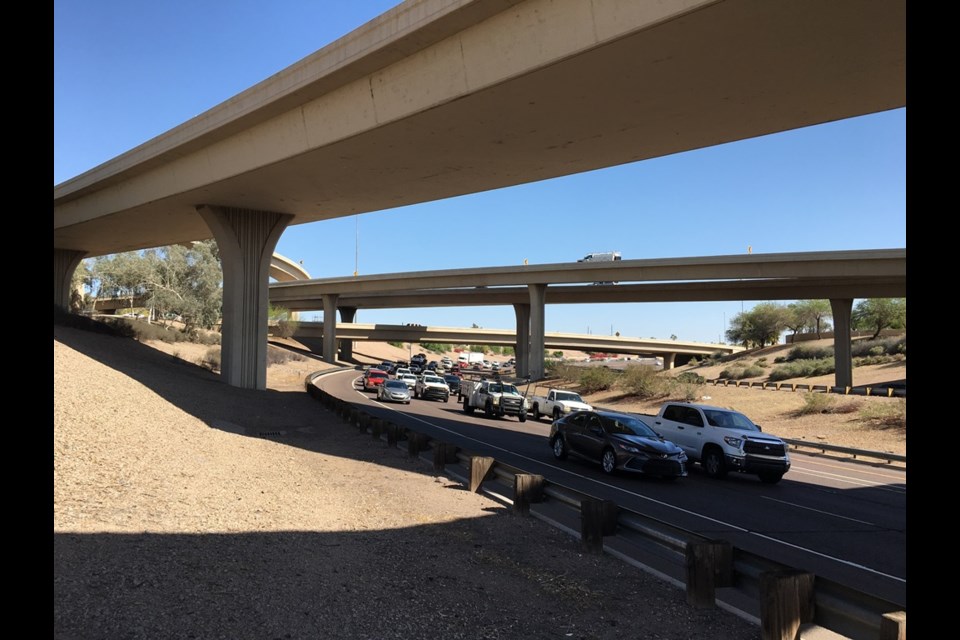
(841, 520)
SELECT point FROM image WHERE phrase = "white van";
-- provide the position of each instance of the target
(608, 256)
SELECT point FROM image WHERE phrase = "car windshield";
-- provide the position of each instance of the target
(629, 426)
(408, 376)
(729, 420)
(451, 378)
(432, 379)
(503, 388)
(569, 396)
(395, 384)
(377, 374)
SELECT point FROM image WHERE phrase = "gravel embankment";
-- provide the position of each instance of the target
(174, 517)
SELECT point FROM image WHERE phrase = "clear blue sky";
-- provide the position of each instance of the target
(127, 71)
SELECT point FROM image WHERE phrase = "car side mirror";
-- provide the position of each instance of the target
(758, 427)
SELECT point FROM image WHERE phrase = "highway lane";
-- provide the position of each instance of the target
(844, 521)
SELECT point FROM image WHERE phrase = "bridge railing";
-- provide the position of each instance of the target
(711, 571)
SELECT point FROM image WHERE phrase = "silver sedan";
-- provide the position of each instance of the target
(394, 391)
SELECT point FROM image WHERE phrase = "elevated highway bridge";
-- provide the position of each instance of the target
(669, 350)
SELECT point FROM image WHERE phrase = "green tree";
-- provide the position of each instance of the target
(809, 316)
(877, 314)
(760, 326)
(186, 282)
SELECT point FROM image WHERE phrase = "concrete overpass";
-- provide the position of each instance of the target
(839, 276)
(308, 332)
(438, 98)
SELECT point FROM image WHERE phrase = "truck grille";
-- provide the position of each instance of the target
(511, 403)
(761, 448)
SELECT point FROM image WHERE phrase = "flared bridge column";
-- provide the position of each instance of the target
(246, 239)
(65, 262)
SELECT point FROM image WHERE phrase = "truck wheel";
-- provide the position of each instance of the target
(608, 460)
(770, 477)
(559, 447)
(446, 398)
(488, 409)
(713, 463)
(557, 413)
(536, 412)
(522, 417)
(467, 409)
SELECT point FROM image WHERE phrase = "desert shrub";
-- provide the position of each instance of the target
(685, 392)
(689, 377)
(693, 362)
(809, 352)
(286, 328)
(884, 346)
(779, 359)
(886, 415)
(739, 371)
(564, 371)
(643, 382)
(433, 347)
(205, 337)
(394, 343)
(211, 359)
(711, 360)
(760, 362)
(817, 403)
(276, 355)
(593, 379)
(802, 369)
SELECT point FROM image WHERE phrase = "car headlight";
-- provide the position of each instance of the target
(496, 400)
(733, 441)
(629, 448)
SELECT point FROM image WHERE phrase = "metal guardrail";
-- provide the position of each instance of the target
(836, 607)
(879, 390)
(861, 453)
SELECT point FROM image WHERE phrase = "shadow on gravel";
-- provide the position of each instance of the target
(464, 579)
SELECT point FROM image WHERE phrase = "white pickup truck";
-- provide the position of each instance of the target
(556, 404)
(494, 398)
(722, 440)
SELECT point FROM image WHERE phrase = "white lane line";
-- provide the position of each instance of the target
(854, 481)
(661, 503)
(828, 513)
(894, 472)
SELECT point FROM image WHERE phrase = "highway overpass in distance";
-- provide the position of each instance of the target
(672, 351)
(839, 276)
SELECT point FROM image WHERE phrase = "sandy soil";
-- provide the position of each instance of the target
(184, 508)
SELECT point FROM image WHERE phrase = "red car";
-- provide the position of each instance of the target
(373, 378)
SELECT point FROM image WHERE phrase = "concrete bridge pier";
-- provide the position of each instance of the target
(330, 327)
(538, 297)
(65, 262)
(246, 240)
(522, 346)
(669, 361)
(842, 309)
(347, 314)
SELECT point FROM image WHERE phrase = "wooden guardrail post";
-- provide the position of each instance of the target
(709, 565)
(354, 415)
(786, 602)
(893, 626)
(598, 518)
(481, 468)
(363, 422)
(376, 428)
(415, 442)
(527, 489)
(443, 454)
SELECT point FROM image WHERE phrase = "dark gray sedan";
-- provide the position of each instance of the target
(618, 441)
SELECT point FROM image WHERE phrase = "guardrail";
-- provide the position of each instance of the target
(861, 453)
(782, 597)
(874, 390)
